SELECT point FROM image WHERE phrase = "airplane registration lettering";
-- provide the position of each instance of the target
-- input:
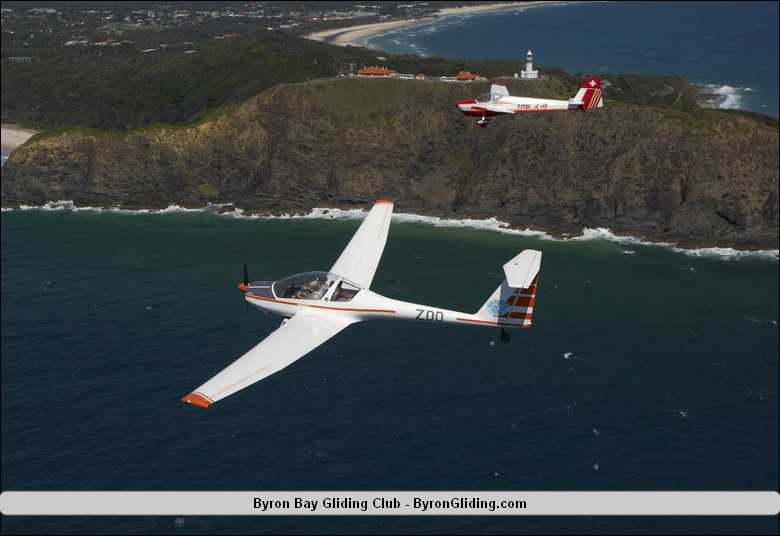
(430, 316)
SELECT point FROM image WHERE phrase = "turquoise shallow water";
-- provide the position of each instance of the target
(108, 319)
(732, 45)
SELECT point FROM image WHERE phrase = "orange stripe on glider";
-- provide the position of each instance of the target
(261, 298)
(490, 322)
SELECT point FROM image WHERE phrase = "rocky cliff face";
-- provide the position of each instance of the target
(696, 177)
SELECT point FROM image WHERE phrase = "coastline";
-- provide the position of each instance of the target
(493, 224)
(13, 136)
(357, 36)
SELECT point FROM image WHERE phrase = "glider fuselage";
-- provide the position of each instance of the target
(365, 304)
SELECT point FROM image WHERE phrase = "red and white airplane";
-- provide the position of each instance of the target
(499, 102)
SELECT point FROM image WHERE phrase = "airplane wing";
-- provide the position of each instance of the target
(292, 340)
(360, 258)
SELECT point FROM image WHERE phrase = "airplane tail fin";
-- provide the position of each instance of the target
(590, 94)
(512, 303)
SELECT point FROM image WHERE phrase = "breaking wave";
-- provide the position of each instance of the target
(724, 96)
(732, 98)
(71, 206)
(227, 210)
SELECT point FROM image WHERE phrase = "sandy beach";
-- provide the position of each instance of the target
(13, 136)
(357, 36)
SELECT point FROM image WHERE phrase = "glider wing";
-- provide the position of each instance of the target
(359, 260)
(294, 339)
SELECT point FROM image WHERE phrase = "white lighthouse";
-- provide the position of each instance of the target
(528, 73)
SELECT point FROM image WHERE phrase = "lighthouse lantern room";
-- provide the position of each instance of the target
(529, 73)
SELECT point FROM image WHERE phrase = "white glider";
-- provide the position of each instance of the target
(318, 305)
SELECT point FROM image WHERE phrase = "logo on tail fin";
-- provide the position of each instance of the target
(592, 82)
(497, 308)
(590, 94)
(593, 93)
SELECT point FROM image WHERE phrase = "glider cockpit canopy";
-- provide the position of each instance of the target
(305, 286)
(315, 286)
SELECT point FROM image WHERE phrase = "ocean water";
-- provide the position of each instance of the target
(646, 369)
(732, 46)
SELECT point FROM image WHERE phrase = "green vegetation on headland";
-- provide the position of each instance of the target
(122, 91)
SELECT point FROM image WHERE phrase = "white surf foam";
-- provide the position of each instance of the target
(732, 98)
(729, 253)
(724, 96)
(487, 224)
(602, 233)
(71, 206)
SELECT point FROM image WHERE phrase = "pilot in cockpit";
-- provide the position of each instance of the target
(313, 289)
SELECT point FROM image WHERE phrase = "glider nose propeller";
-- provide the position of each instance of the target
(243, 285)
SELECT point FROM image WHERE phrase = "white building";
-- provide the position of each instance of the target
(528, 73)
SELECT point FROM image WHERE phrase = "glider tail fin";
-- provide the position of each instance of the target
(590, 94)
(513, 301)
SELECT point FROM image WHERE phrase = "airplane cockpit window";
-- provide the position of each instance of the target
(345, 291)
(486, 97)
(306, 286)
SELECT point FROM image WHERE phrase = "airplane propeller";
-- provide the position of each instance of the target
(244, 284)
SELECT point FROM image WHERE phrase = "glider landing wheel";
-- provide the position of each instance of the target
(505, 337)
